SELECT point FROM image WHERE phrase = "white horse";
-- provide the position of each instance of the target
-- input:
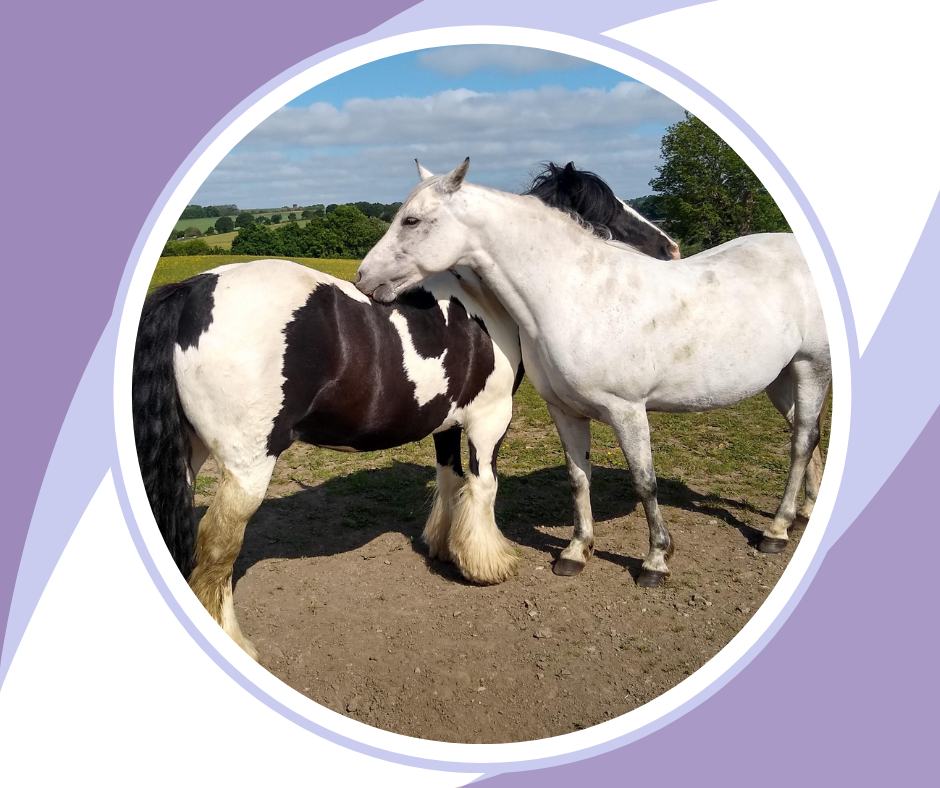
(607, 336)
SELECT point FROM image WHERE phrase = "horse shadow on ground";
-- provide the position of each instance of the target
(348, 512)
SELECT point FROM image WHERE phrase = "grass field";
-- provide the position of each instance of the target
(742, 451)
(223, 240)
(176, 269)
(204, 224)
(738, 454)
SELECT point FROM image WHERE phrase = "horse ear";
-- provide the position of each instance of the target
(423, 172)
(453, 179)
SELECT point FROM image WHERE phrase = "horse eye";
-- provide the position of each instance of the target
(410, 221)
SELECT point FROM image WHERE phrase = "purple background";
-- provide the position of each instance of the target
(113, 98)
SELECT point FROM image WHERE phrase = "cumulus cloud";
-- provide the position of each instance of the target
(464, 114)
(365, 151)
(458, 61)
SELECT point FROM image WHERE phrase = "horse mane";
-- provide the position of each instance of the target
(577, 193)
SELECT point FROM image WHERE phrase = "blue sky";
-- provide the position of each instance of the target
(356, 136)
(414, 74)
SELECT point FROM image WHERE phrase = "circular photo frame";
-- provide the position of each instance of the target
(350, 733)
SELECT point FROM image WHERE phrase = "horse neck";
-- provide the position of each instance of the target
(524, 265)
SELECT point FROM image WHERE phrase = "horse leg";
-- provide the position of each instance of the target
(450, 480)
(633, 432)
(781, 394)
(575, 435)
(811, 385)
(219, 541)
(475, 543)
(814, 470)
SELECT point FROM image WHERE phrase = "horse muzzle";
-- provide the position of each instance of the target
(384, 293)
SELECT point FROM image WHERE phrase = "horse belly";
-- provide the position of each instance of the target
(393, 375)
(722, 373)
(394, 421)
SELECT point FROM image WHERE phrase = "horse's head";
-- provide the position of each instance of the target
(586, 194)
(423, 239)
(631, 227)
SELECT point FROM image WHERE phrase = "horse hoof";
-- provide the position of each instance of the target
(567, 568)
(771, 544)
(650, 578)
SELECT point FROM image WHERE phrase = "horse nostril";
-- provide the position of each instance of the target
(358, 277)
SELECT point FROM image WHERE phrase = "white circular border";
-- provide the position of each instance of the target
(570, 742)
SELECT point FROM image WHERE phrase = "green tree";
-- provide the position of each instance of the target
(193, 212)
(648, 206)
(357, 232)
(275, 218)
(325, 243)
(294, 241)
(292, 217)
(191, 232)
(256, 239)
(224, 224)
(185, 248)
(707, 194)
(210, 230)
(244, 219)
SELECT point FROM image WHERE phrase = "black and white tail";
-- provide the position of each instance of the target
(160, 426)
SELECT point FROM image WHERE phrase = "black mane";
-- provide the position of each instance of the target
(578, 192)
(588, 200)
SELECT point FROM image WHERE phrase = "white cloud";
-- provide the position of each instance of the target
(458, 61)
(366, 150)
(463, 114)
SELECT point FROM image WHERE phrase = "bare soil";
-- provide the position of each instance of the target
(335, 588)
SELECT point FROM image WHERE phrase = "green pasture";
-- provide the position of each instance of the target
(734, 459)
(223, 240)
(738, 454)
(205, 224)
(176, 269)
(202, 224)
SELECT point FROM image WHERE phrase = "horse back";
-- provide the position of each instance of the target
(289, 354)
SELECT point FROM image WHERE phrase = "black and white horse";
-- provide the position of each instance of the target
(243, 360)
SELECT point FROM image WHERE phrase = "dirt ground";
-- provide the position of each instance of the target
(335, 588)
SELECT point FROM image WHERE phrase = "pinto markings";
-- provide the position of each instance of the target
(427, 374)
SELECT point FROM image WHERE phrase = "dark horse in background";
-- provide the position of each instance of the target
(583, 193)
(243, 360)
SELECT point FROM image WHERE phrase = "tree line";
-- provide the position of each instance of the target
(339, 232)
(208, 212)
(345, 233)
